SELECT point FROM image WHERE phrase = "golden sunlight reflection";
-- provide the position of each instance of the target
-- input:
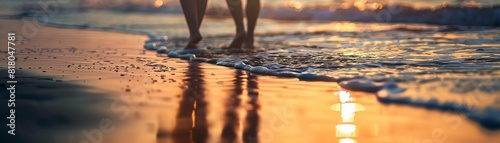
(158, 3)
(360, 5)
(345, 5)
(347, 129)
(377, 6)
(347, 110)
(335, 26)
(344, 96)
(472, 3)
(347, 140)
(295, 5)
(444, 4)
(193, 115)
(357, 27)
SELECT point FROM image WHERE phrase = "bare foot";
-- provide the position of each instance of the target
(249, 43)
(194, 39)
(238, 40)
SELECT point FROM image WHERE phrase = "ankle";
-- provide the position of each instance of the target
(240, 31)
(194, 34)
(250, 36)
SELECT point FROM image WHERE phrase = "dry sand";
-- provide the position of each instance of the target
(71, 80)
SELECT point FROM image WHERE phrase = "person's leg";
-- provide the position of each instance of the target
(201, 8)
(252, 12)
(190, 13)
(237, 12)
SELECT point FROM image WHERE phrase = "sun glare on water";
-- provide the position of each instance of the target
(295, 5)
(158, 3)
(360, 5)
(377, 6)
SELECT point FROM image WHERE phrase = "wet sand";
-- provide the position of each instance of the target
(70, 80)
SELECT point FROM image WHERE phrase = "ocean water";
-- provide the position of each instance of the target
(433, 54)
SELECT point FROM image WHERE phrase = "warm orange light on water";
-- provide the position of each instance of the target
(193, 115)
(295, 5)
(158, 3)
(346, 130)
(344, 96)
(444, 4)
(347, 107)
(360, 5)
(472, 3)
(377, 6)
(347, 111)
(345, 5)
(347, 140)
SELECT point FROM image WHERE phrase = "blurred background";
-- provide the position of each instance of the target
(164, 17)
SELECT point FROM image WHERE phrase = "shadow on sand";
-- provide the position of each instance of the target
(50, 110)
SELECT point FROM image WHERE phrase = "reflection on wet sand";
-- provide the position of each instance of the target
(240, 119)
(231, 116)
(346, 130)
(191, 124)
(252, 119)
